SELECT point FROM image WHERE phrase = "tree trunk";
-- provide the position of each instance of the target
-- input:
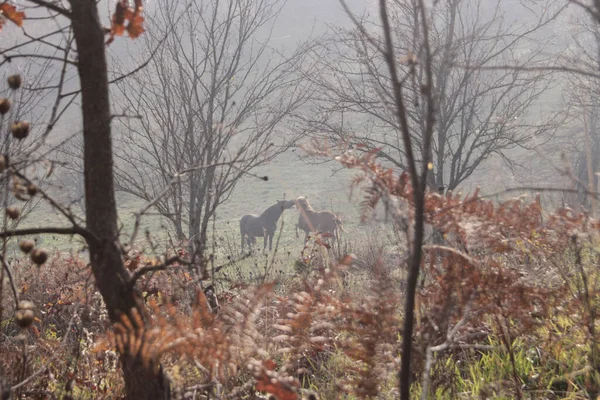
(101, 212)
(178, 223)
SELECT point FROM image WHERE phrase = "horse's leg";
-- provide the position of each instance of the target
(243, 239)
(297, 229)
(271, 234)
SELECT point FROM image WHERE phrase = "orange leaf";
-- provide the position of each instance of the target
(124, 13)
(276, 388)
(270, 365)
(10, 12)
(118, 17)
(34, 330)
(347, 259)
(135, 27)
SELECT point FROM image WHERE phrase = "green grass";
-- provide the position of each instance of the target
(289, 177)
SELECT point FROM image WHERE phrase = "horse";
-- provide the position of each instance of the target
(316, 221)
(265, 224)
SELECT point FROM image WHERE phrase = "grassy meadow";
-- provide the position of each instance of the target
(326, 185)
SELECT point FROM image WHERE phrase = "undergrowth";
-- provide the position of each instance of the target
(507, 309)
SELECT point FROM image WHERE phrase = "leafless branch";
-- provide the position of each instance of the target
(59, 207)
(40, 56)
(50, 230)
(153, 268)
(209, 114)
(449, 342)
(52, 7)
(11, 279)
(44, 368)
(533, 69)
(146, 62)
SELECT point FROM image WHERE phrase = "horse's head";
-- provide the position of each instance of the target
(302, 203)
(285, 204)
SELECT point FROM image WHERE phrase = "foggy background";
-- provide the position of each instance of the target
(567, 38)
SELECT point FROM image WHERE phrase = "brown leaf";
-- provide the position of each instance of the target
(346, 260)
(10, 12)
(123, 14)
(275, 387)
(135, 27)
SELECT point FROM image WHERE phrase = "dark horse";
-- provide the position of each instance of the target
(265, 224)
(316, 221)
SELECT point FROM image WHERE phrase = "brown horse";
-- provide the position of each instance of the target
(316, 221)
(265, 224)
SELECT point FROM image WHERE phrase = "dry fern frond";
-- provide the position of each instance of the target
(219, 347)
(368, 329)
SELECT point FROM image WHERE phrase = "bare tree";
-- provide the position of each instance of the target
(214, 103)
(583, 133)
(481, 113)
(78, 26)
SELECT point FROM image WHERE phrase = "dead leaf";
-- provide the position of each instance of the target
(135, 28)
(10, 12)
(125, 14)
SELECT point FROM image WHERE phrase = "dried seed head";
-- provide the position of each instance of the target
(26, 245)
(13, 212)
(25, 313)
(24, 318)
(39, 256)
(4, 106)
(32, 189)
(14, 81)
(20, 129)
(26, 305)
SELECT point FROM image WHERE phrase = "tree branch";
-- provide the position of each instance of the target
(74, 230)
(558, 68)
(52, 7)
(153, 268)
(11, 280)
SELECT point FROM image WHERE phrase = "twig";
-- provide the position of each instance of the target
(452, 250)
(52, 7)
(50, 200)
(74, 230)
(222, 266)
(152, 268)
(361, 27)
(145, 63)
(447, 344)
(204, 166)
(43, 57)
(11, 280)
(561, 68)
(150, 204)
(123, 115)
(48, 362)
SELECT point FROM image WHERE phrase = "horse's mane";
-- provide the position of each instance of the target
(268, 210)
